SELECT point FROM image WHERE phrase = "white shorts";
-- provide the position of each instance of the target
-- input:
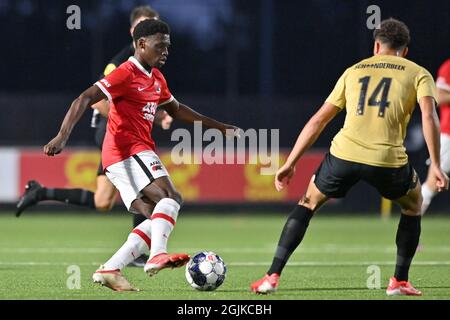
(132, 175)
(445, 152)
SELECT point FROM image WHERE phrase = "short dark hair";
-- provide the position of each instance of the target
(150, 27)
(393, 33)
(143, 11)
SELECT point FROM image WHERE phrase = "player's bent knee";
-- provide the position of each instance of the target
(177, 197)
(154, 194)
(308, 203)
(413, 205)
(413, 210)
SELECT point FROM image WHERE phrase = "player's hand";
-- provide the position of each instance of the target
(231, 131)
(163, 119)
(166, 121)
(441, 178)
(55, 146)
(283, 176)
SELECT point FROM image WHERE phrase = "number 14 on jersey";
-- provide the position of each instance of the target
(382, 88)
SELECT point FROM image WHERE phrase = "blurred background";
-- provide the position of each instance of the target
(261, 64)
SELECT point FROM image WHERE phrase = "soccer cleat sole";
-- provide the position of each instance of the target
(399, 292)
(264, 289)
(99, 279)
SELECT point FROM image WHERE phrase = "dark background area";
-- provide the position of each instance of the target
(254, 63)
(257, 63)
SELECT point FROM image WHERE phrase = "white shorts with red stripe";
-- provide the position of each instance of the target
(132, 175)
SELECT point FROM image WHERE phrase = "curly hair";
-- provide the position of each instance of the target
(393, 33)
(150, 27)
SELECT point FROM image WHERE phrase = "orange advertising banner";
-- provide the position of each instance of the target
(198, 183)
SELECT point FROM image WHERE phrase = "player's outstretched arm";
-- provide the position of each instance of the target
(309, 134)
(184, 113)
(431, 132)
(76, 110)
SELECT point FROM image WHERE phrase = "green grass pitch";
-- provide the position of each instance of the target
(331, 263)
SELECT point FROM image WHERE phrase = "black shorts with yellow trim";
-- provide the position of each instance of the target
(335, 177)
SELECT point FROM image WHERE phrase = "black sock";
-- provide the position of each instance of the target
(78, 197)
(408, 234)
(291, 236)
(138, 219)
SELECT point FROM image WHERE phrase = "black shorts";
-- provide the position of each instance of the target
(336, 176)
(100, 131)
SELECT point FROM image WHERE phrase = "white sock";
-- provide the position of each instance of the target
(164, 217)
(138, 243)
(427, 195)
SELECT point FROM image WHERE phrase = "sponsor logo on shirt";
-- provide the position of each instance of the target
(105, 83)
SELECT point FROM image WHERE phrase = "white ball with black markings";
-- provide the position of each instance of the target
(206, 271)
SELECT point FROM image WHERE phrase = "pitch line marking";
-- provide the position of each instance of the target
(247, 264)
(258, 250)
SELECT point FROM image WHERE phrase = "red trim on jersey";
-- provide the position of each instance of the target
(140, 67)
(143, 236)
(163, 216)
(103, 89)
(167, 101)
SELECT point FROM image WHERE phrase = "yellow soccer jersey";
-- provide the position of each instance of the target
(379, 94)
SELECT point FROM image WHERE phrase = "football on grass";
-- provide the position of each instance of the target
(206, 271)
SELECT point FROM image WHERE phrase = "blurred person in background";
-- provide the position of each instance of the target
(429, 189)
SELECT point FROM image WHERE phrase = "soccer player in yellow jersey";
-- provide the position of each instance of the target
(379, 95)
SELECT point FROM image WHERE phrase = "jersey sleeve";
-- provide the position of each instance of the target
(443, 77)
(425, 85)
(166, 96)
(337, 96)
(114, 84)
